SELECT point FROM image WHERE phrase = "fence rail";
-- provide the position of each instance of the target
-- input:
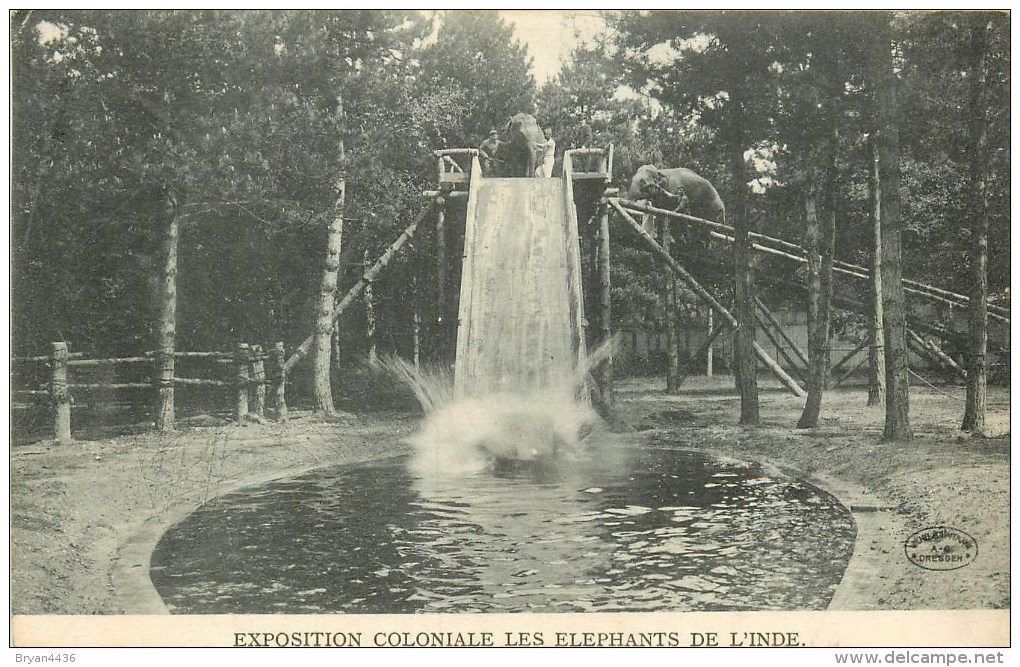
(249, 378)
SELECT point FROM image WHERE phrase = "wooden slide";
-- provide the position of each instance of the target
(521, 310)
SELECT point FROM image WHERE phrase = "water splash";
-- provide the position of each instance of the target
(476, 433)
(432, 385)
(496, 431)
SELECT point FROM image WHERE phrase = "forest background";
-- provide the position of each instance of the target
(240, 124)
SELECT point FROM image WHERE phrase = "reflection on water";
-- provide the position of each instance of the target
(626, 529)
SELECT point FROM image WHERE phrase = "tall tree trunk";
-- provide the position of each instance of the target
(335, 336)
(165, 415)
(416, 323)
(42, 169)
(33, 198)
(897, 398)
(321, 351)
(977, 334)
(321, 387)
(708, 350)
(816, 353)
(745, 369)
(876, 352)
(605, 312)
(307, 345)
(828, 242)
(822, 238)
(369, 296)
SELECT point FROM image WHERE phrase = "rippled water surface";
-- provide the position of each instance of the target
(627, 530)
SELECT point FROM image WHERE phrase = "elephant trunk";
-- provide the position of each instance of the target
(638, 194)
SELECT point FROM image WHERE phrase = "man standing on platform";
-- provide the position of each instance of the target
(487, 151)
(585, 139)
(548, 148)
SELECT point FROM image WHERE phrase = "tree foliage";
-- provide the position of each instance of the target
(233, 115)
(477, 58)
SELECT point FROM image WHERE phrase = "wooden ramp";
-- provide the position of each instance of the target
(520, 323)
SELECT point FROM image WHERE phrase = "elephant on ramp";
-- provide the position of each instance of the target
(680, 190)
(521, 152)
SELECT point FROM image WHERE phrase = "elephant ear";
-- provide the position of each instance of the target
(661, 179)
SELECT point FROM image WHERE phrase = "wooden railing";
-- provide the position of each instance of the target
(249, 379)
(590, 163)
(451, 171)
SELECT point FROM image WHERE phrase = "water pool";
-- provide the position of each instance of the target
(627, 529)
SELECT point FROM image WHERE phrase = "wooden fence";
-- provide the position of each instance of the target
(250, 380)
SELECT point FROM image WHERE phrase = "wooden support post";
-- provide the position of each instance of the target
(777, 370)
(444, 194)
(605, 310)
(680, 271)
(669, 307)
(441, 251)
(280, 380)
(61, 395)
(707, 297)
(258, 369)
(241, 364)
(441, 343)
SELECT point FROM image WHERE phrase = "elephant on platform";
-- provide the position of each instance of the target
(521, 150)
(680, 190)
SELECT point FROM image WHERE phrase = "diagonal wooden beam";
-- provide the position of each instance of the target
(707, 297)
(774, 321)
(679, 270)
(778, 343)
(847, 357)
(724, 232)
(932, 351)
(370, 275)
(838, 381)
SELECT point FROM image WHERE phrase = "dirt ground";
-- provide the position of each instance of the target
(74, 508)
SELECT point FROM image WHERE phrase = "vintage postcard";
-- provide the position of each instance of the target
(560, 328)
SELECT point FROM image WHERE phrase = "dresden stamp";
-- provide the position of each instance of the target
(941, 548)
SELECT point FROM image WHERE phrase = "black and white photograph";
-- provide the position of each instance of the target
(423, 328)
